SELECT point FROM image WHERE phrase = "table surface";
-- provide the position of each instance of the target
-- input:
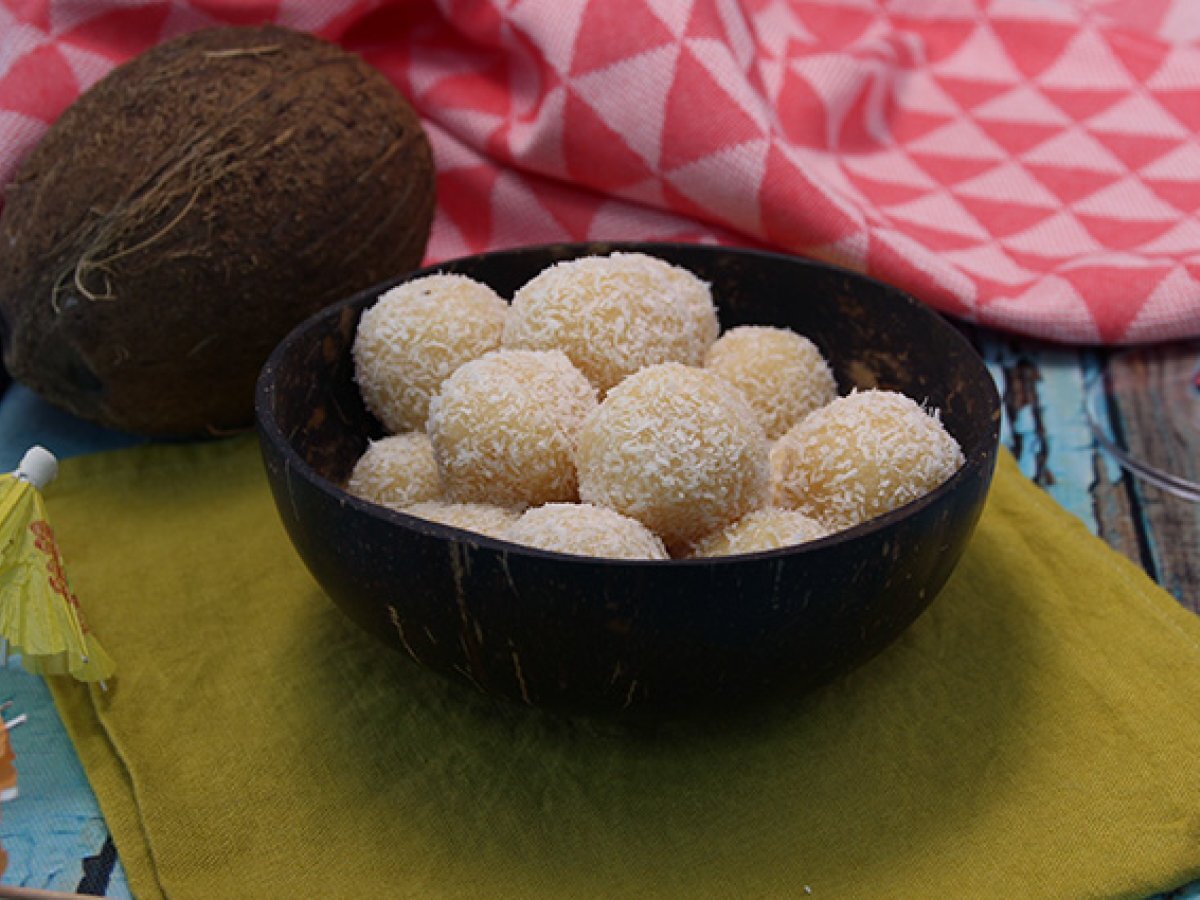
(56, 837)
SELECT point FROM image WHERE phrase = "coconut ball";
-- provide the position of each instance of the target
(762, 529)
(396, 471)
(504, 428)
(585, 530)
(481, 518)
(609, 317)
(690, 289)
(415, 336)
(676, 448)
(861, 456)
(782, 374)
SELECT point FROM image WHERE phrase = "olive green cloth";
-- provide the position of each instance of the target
(1035, 734)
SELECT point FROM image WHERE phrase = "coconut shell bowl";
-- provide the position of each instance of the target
(588, 635)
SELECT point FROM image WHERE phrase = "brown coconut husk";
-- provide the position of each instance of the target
(190, 209)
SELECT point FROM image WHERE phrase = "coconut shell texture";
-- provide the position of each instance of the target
(191, 208)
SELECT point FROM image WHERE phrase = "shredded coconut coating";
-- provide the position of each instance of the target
(504, 428)
(693, 291)
(415, 336)
(762, 529)
(609, 317)
(782, 374)
(396, 471)
(585, 530)
(676, 448)
(481, 518)
(862, 455)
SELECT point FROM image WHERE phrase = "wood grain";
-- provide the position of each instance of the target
(1154, 410)
(1116, 519)
(1044, 387)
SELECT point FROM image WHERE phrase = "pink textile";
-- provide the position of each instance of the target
(1031, 165)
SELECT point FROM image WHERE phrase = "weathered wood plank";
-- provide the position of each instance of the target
(1116, 519)
(54, 826)
(1153, 410)
(1046, 426)
(1154, 401)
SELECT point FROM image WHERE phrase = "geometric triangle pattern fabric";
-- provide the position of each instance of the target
(1028, 165)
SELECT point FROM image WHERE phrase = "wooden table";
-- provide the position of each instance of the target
(57, 838)
(1046, 426)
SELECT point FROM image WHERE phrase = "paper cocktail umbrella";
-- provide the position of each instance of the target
(40, 616)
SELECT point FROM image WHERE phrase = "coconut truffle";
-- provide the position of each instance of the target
(481, 518)
(676, 448)
(861, 456)
(609, 317)
(504, 428)
(396, 471)
(762, 529)
(415, 336)
(585, 530)
(691, 290)
(782, 374)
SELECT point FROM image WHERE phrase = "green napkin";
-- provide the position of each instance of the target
(1035, 734)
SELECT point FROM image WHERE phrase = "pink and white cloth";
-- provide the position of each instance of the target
(1032, 165)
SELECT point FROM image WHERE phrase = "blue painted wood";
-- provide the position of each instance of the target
(55, 822)
(26, 420)
(1049, 433)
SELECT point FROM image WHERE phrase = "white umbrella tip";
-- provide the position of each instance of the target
(38, 467)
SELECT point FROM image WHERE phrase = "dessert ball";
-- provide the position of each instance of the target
(694, 292)
(585, 530)
(676, 448)
(481, 518)
(609, 317)
(396, 471)
(415, 336)
(504, 428)
(782, 374)
(861, 456)
(762, 529)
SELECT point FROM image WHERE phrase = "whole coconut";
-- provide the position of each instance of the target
(192, 207)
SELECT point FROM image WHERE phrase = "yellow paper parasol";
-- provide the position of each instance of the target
(40, 617)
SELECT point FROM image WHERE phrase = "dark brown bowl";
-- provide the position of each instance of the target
(593, 635)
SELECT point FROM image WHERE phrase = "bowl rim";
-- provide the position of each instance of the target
(269, 429)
